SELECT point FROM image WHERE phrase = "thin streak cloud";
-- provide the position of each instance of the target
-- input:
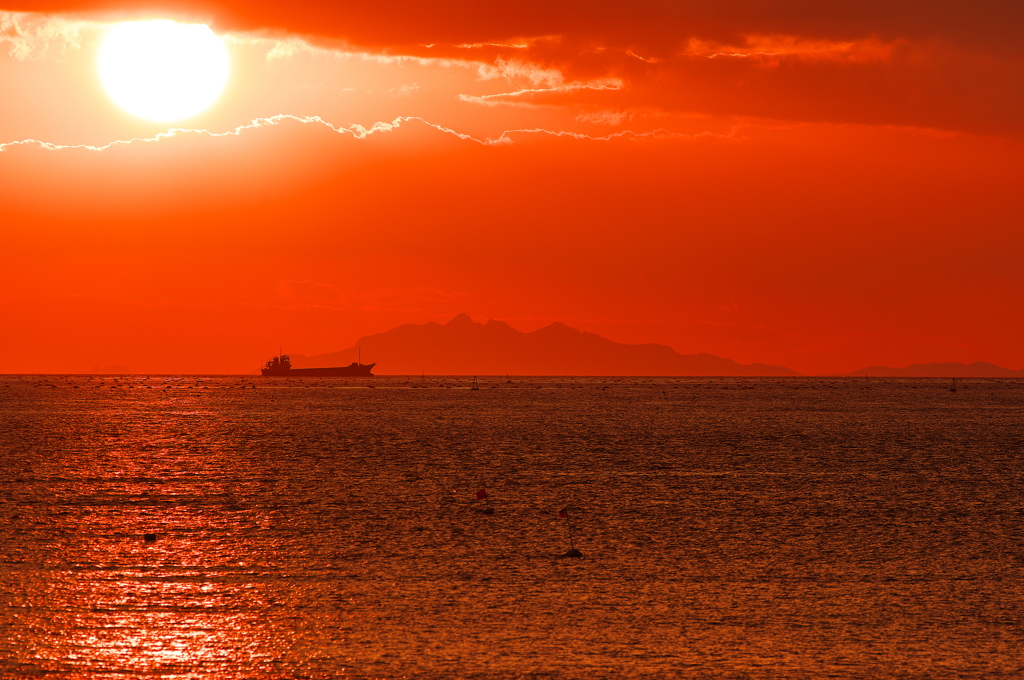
(356, 130)
(491, 99)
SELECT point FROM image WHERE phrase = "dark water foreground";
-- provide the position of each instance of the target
(731, 528)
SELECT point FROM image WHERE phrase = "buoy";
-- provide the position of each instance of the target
(481, 495)
(572, 552)
(149, 538)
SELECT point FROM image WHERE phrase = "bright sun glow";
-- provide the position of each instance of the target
(162, 70)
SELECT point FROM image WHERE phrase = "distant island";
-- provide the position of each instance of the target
(978, 369)
(464, 347)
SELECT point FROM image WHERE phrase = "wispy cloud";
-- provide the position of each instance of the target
(515, 70)
(649, 60)
(774, 47)
(279, 49)
(355, 130)
(605, 117)
(504, 97)
(520, 45)
(320, 78)
(34, 36)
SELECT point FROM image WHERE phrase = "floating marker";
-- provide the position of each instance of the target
(481, 495)
(149, 538)
(572, 552)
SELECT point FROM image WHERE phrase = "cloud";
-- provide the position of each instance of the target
(404, 90)
(776, 47)
(650, 28)
(649, 60)
(34, 36)
(605, 117)
(517, 45)
(281, 49)
(784, 65)
(514, 70)
(285, 49)
(565, 88)
(355, 130)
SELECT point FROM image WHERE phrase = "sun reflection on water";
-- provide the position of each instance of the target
(98, 598)
(730, 527)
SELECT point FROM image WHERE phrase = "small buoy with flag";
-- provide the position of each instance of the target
(481, 495)
(572, 551)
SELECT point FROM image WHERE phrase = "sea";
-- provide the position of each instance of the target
(237, 527)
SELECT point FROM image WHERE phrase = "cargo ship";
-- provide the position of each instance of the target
(282, 366)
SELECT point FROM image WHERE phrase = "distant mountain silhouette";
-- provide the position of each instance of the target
(464, 347)
(979, 369)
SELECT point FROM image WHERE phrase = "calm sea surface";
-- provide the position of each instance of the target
(314, 528)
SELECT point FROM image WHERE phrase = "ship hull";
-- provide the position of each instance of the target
(353, 371)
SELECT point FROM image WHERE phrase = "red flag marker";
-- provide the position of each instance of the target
(563, 513)
(481, 495)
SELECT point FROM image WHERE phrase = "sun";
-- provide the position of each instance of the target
(162, 70)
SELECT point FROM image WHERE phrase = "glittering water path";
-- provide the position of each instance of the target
(761, 528)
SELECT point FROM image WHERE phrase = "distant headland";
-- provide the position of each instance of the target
(978, 369)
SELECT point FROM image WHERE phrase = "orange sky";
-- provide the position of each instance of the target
(825, 186)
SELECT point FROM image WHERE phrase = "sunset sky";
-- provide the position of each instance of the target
(821, 185)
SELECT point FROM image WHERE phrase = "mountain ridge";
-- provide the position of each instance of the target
(464, 347)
